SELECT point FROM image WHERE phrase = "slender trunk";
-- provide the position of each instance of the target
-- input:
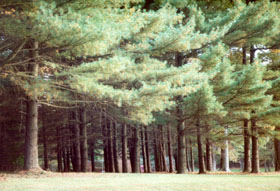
(143, 149)
(181, 149)
(58, 150)
(147, 150)
(208, 156)
(45, 143)
(131, 147)
(246, 134)
(76, 141)
(64, 155)
(170, 150)
(31, 133)
(68, 155)
(191, 155)
(83, 131)
(179, 57)
(155, 152)
(110, 146)
(200, 150)
(105, 140)
(214, 162)
(255, 149)
(124, 148)
(225, 155)
(136, 161)
(115, 149)
(176, 162)
(277, 154)
(187, 156)
(246, 146)
(93, 157)
(163, 150)
(222, 159)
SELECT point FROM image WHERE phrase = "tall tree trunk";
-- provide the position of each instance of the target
(64, 155)
(143, 149)
(170, 150)
(181, 148)
(277, 154)
(58, 150)
(124, 148)
(115, 149)
(131, 146)
(180, 128)
(147, 150)
(176, 162)
(191, 156)
(208, 156)
(246, 134)
(162, 149)
(200, 150)
(83, 130)
(225, 155)
(31, 133)
(45, 143)
(103, 123)
(156, 152)
(187, 156)
(246, 146)
(110, 146)
(222, 159)
(136, 155)
(214, 162)
(68, 155)
(76, 141)
(93, 156)
(255, 149)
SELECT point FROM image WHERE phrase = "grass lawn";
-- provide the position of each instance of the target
(139, 182)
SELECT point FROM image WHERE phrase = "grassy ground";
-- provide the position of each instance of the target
(139, 182)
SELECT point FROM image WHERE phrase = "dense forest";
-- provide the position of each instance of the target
(140, 86)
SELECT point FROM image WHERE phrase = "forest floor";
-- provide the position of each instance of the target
(47, 181)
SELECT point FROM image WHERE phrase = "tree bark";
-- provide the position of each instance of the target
(181, 148)
(136, 151)
(179, 57)
(222, 159)
(103, 123)
(83, 131)
(68, 159)
(143, 149)
(200, 150)
(255, 149)
(115, 149)
(64, 156)
(110, 146)
(45, 143)
(214, 162)
(124, 148)
(31, 133)
(208, 156)
(246, 146)
(156, 152)
(225, 155)
(58, 150)
(76, 141)
(191, 156)
(147, 150)
(162, 149)
(93, 156)
(171, 170)
(277, 154)
(187, 156)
